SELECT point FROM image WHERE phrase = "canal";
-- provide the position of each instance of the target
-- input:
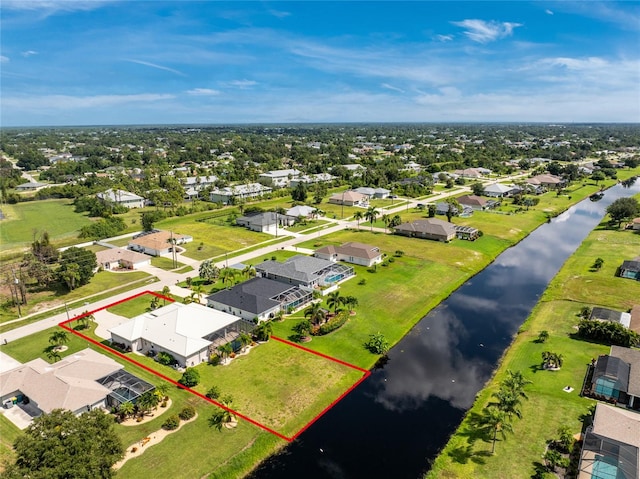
(395, 423)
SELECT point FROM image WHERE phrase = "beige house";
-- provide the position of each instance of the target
(352, 252)
(120, 258)
(350, 198)
(157, 243)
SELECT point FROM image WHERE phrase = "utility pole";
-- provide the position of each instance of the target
(173, 252)
(16, 285)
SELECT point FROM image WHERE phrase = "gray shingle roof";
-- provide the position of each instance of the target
(300, 268)
(253, 296)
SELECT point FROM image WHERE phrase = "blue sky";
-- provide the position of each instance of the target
(77, 62)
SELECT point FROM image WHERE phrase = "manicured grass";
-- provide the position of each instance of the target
(548, 407)
(101, 281)
(165, 263)
(133, 307)
(25, 218)
(307, 225)
(293, 386)
(8, 434)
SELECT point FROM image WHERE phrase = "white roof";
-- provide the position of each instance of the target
(176, 327)
(300, 210)
(118, 196)
(280, 173)
(498, 188)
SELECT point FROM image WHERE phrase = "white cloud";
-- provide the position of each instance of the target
(52, 6)
(444, 38)
(68, 102)
(203, 92)
(548, 12)
(240, 83)
(391, 87)
(279, 13)
(29, 53)
(159, 67)
(4, 59)
(482, 31)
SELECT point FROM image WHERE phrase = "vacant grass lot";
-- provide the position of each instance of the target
(575, 286)
(57, 217)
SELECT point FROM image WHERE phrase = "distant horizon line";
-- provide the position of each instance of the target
(319, 123)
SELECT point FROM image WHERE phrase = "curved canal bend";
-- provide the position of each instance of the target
(395, 423)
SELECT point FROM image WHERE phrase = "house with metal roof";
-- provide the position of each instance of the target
(430, 228)
(305, 271)
(77, 382)
(121, 197)
(189, 332)
(352, 252)
(611, 445)
(260, 298)
(31, 186)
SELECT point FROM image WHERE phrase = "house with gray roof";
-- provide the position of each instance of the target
(477, 203)
(352, 252)
(379, 193)
(430, 228)
(303, 211)
(267, 222)
(610, 315)
(498, 190)
(350, 198)
(312, 179)
(31, 186)
(260, 298)
(616, 377)
(305, 271)
(630, 269)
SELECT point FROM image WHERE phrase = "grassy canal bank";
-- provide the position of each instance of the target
(391, 300)
(577, 284)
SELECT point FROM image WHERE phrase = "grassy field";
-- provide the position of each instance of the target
(23, 219)
(575, 286)
(165, 263)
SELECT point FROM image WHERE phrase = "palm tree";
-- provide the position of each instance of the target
(245, 340)
(358, 215)
(225, 350)
(166, 291)
(371, 215)
(303, 328)
(351, 302)
(83, 320)
(224, 417)
(155, 302)
(162, 389)
(279, 316)
(209, 271)
(58, 338)
(126, 409)
(551, 360)
(543, 336)
(53, 354)
(249, 271)
(315, 313)
(494, 422)
(334, 300)
(516, 382)
(227, 274)
(263, 331)
(386, 219)
(146, 402)
(507, 401)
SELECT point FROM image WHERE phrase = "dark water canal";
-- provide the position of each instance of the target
(395, 422)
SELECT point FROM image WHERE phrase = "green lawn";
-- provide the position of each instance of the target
(307, 225)
(57, 217)
(165, 263)
(575, 286)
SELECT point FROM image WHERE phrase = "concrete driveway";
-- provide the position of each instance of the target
(106, 321)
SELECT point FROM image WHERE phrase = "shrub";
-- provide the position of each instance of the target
(362, 282)
(171, 423)
(165, 358)
(391, 259)
(213, 392)
(187, 413)
(377, 344)
(331, 325)
(372, 270)
(190, 378)
(214, 360)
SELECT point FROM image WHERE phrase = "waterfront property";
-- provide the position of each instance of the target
(305, 271)
(616, 377)
(80, 382)
(611, 445)
(430, 228)
(189, 332)
(606, 314)
(498, 190)
(351, 252)
(630, 269)
(121, 197)
(476, 203)
(157, 243)
(259, 298)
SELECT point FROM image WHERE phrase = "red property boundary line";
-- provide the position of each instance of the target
(365, 372)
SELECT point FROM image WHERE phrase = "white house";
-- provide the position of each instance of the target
(250, 190)
(352, 252)
(121, 197)
(189, 332)
(312, 179)
(498, 190)
(267, 222)
(278, 178)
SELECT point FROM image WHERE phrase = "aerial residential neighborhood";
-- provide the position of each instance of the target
(186, 290)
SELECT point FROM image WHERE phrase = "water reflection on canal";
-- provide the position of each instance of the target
(396, 421)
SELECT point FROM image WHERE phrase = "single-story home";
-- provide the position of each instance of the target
(267, 222)
(115, 258)
(299, 211)
(442, 208)
(78, 382)
(189, 332)
(472, 172)
(635, 224)
(278, 178)
(379, 193)
(304, 271)
(630, 269)
(31, 186)
(312, 179)
(430, 228)
(250, 190)
(546, 181)
(157, 243)
(352, 252)
(605, 314)
(260, 298)
(616, 377)
(476, 203)
(611, 445)
(349, 198)
(121, 197)
(498, 190)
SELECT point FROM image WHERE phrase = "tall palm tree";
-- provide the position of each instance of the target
(249, 271)
(386, 219)
(516, 382)
(227, 275)
(53, 354)
(162, 390)
(494, 422)
(165, 292)
(351, 302)
(315, 313)
(358, 215)
(263, 331)
(224, 416)
(371, 214)
(245, 340)
(507, 401)
(334, 300)
(146, 402)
